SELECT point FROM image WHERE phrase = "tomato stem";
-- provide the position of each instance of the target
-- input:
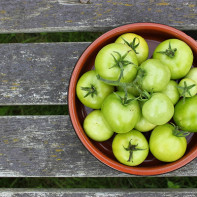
(132, 44)
(185, 90)
(90, 90)
(169, 52)
(120, 62)
(178, 132)
(131, 148)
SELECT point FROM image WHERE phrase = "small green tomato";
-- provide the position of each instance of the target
(96, 127)
(137, 43)
(187, 87)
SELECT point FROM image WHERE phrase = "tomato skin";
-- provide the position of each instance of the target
(122, 140)
(142, 49)
(104, 62)
(158, 109)
(172, 92)
(121, 117)
(86, 80)
(96, 127)
(185, 114)
(192, 74)
(181, 62)
(143, 125)
(165, 146)
(156, 76)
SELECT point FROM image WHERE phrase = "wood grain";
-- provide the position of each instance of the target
(92, 15)
(47, 146)
(37, 73)
(98, 192)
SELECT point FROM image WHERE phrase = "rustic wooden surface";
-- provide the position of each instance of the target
(37, 73)
(47, 146)
(98, 192)
(92, 15)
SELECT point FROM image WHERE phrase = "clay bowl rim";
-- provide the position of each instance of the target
(156, 170)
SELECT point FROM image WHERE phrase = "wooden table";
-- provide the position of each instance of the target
(39, 73)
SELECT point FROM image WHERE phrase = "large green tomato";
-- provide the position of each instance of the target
(172, 92)
(165, 145)
(91, 91)
(175, 54)
(158, 109)
(185, 114)
(137, 43)
(115, 61)
(121, 116)
(153, 75)
(96, 127)
(130, 148)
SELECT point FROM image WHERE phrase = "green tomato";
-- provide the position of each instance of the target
(137, 43)
(130, 148)
(192, 74)
(171, 91)
(158, 109)
(96, 127)
(91, 91)
(153, 75)
(175, 54)
(165, 145)
(121, 116)
(116, 61)
(187, 87)
(185, 114)
(142, 124)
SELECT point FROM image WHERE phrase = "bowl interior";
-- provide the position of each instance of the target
(154, 34)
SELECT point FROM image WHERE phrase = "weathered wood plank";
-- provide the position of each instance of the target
(98, 192)
(47, 146)
(92, 15)
(37, 73)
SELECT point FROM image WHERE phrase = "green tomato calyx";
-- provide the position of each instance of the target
(169, 52)
(133, 44)
(178, 132)
(120, 62)
(124, 100)
(131, 148)
(184, 90)
(90, 91)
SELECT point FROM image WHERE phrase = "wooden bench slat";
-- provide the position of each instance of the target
(98, 192)
(95, 15)
(37, 73)
(47, 146)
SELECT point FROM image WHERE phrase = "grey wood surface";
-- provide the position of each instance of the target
(98, 192)
(37, 73)
(47, 146)
(92, 15)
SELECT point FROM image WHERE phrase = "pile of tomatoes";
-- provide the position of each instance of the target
(131, 94)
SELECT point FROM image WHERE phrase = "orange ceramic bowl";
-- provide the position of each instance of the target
(154, 34)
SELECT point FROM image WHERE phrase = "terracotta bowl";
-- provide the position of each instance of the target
(154, 34)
